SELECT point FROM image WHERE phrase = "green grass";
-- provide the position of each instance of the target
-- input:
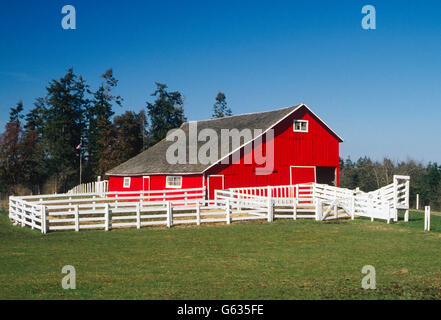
(280, 260)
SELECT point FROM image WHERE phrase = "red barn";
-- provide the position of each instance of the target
(286, 146)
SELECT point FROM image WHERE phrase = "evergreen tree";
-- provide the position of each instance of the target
(100, 133)
(64, 128)
(34, 151)
(128, 136)
(166, 113)
(11, 160)
(220, 108)
(16, 114)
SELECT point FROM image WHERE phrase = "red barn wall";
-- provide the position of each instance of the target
(317, 147)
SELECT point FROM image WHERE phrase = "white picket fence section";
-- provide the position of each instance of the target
(100, 187)
(109, 210)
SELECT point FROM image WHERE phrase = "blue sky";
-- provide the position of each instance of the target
(379, 89)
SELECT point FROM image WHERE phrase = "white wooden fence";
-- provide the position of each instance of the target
(188, 206)
(100, 187)
(129, 209)
(323, 202)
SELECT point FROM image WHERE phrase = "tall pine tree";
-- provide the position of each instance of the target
(11, 160)
(100, 133)
(34, 150)
(220, 108)
(64, 129)
(166, 113)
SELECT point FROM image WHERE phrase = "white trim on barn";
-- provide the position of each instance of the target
(143, 182)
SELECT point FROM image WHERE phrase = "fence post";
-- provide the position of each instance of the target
(141, 200)
(270, 205)
(417, 201)
(385, 209)
(94, 203)
(169, 214)
(427, 218)
(106, 217)
(318, 210)
(77, 219)
(295, 208)
(353, 207)
(138, 215)
(227, 211)
(11, 215)
(395, 199)
(22, 213)
(198, 213)
(32, 218)
(43, 220)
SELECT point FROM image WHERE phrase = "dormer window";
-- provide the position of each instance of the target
(300, 125)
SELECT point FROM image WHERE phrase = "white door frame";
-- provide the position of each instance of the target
(290, 172)
(143, 183)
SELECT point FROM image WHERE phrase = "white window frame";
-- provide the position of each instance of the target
(167, 185)
(300, 121)
(125, 183)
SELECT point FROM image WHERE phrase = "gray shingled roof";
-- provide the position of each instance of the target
(153, 160)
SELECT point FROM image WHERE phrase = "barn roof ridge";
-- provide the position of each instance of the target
(243, 114)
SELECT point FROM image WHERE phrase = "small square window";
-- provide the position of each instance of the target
(300, 125)
(174, 182)
(126, 182)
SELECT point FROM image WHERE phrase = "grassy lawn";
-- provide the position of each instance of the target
(280, 260)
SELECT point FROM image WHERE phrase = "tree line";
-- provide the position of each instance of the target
(369, 175)
(71, 124)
